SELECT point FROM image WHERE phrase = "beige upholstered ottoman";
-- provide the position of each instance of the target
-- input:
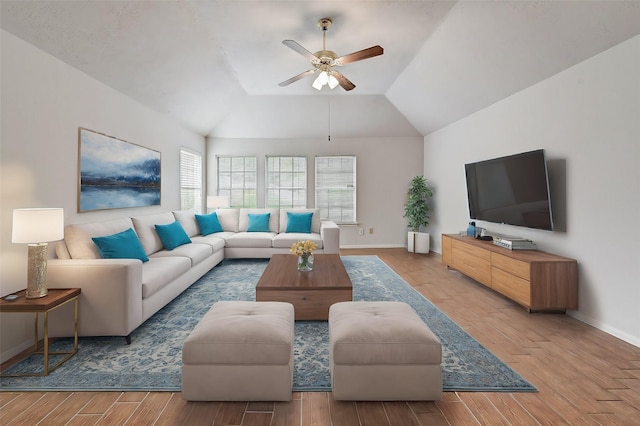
(240, 351)
(382, 351)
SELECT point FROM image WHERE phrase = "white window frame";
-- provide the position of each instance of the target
(191, 190)
(241, 184)
(286, 181)
(336, 174)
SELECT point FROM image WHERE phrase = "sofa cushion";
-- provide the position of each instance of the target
(187, 219)
(299, 222)
(258, 222)
(197, 252)
(228, 219)
(123, 245)
(77, 236)
(172, 235)
(274, 219)
(216, 242)
(145, 228)
(62, 252)
(208, 223)
(160, 271)
(285, 240)
(315, 219)
(250, 239)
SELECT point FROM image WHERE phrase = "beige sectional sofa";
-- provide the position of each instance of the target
(118, 295)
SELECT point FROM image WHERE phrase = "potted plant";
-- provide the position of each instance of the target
(417, 209)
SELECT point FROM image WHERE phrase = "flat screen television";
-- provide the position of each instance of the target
(513, 190)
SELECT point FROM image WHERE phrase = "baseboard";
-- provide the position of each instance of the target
(373, 246)
(633, 340)
(16, 353)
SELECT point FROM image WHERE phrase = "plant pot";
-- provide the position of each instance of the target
(418, 242)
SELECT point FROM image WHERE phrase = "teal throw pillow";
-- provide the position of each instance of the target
(258, 222)
(299, 222)
(172, 235)
(123, 245)
(208, 223)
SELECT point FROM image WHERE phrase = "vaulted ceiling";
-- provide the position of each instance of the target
(214, 66)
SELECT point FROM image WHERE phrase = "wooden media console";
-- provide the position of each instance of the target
(537, 280)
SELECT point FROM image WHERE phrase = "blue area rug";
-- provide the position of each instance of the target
(153, 360)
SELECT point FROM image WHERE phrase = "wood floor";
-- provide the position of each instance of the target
(584, 376)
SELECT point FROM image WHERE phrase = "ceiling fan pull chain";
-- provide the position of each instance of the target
(329, 120)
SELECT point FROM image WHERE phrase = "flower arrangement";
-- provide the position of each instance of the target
(304, 251)
(303, 248)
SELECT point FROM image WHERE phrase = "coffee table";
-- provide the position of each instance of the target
(311, 293)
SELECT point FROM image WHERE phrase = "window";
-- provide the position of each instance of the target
(238, 179)
(286, 182)
(336, 188)
(190, 180)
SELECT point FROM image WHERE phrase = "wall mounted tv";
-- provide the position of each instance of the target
(513, 190)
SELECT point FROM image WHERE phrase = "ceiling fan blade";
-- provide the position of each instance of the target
(301, 50)
(359, 55)
(297, 77)
(343, 81)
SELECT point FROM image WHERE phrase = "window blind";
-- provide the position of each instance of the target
(238, 179)
(336, 188)
(190, 180)
(286, 182)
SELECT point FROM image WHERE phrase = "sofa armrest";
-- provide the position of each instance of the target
(330, 234)
(111, 297)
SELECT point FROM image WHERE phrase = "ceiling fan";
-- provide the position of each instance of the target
(324, 60)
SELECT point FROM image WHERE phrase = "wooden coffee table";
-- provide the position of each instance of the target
(311, 293)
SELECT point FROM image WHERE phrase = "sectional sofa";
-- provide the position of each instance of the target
(130, 268)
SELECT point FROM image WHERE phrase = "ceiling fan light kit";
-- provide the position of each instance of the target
(324, 60)
(325, 78)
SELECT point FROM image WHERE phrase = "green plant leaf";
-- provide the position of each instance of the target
(417, 208)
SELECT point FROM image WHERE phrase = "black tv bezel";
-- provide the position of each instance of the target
(474, 214)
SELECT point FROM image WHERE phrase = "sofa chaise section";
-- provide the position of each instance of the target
(240, 242)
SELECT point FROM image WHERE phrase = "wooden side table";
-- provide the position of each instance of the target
(54, 299)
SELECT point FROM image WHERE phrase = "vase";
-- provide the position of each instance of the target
(305, 263)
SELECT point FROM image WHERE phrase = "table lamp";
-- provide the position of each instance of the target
(217, 202)
(36, 227)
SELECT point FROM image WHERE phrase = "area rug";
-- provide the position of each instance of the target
(153, 360)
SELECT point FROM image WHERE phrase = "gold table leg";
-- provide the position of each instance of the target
(45, 348)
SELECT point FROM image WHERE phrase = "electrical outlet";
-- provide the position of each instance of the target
(361, 231)
(370, 230)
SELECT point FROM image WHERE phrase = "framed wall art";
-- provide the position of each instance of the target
(115, 174)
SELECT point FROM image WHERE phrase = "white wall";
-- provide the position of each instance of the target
(587, 119)
(43, 102)
(384, 168)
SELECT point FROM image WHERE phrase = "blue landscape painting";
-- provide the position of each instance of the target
(116, 174)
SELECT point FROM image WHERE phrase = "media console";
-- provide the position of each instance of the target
(537, 280)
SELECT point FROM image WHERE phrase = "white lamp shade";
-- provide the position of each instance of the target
(333, 82)
(317, 84)
(323, 78)
(217, 201)
(31, 226)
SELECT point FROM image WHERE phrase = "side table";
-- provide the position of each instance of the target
(54, 299)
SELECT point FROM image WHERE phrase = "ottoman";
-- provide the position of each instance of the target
(240, 351)
(382, 351)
